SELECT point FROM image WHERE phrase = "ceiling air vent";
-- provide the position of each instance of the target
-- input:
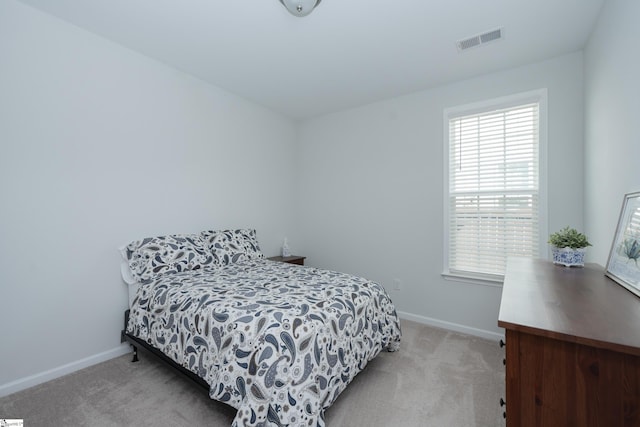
(479, 39)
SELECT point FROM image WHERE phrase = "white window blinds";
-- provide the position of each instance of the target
(493, 189)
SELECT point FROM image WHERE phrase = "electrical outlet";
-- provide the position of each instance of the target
(396, 284)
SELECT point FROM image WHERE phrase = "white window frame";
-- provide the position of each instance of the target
(539, 96)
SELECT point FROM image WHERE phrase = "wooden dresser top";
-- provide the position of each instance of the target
(579, 305)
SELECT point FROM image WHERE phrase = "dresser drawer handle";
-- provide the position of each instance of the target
(502, 402)
(502, 344)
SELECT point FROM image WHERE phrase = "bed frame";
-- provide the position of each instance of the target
(135, 342)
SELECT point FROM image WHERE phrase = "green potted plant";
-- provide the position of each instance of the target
(569, 247)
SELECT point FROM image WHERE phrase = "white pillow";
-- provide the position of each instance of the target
(127, 275)
(125, 270)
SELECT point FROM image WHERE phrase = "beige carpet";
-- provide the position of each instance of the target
(438, 378)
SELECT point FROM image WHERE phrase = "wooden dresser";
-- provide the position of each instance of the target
(572, 347)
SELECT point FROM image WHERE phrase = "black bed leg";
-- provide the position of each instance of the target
(135, 353)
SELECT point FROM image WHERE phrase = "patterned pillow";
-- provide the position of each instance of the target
(155, 256)
(231, 246)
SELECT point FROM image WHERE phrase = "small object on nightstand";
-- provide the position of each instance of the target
(293, 259)
(286, 252)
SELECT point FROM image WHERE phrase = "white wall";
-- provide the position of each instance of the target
(612, 112)
(99, 146)
(370, 188)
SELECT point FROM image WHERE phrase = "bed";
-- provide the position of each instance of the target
(278, 342)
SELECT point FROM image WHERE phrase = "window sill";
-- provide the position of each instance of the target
(492, 281)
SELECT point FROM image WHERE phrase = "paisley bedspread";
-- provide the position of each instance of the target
(279, 342)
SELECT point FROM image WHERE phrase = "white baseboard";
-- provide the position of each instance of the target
(33, 380)
(451, 326)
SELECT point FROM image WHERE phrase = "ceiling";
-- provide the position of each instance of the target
(344, 54)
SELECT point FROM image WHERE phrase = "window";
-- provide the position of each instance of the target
(493, 193)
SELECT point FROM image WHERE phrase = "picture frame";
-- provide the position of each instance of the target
(623, 265)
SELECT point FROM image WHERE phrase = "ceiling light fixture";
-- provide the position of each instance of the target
(300, 8)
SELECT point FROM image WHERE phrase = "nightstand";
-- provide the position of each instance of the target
(293, 259)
